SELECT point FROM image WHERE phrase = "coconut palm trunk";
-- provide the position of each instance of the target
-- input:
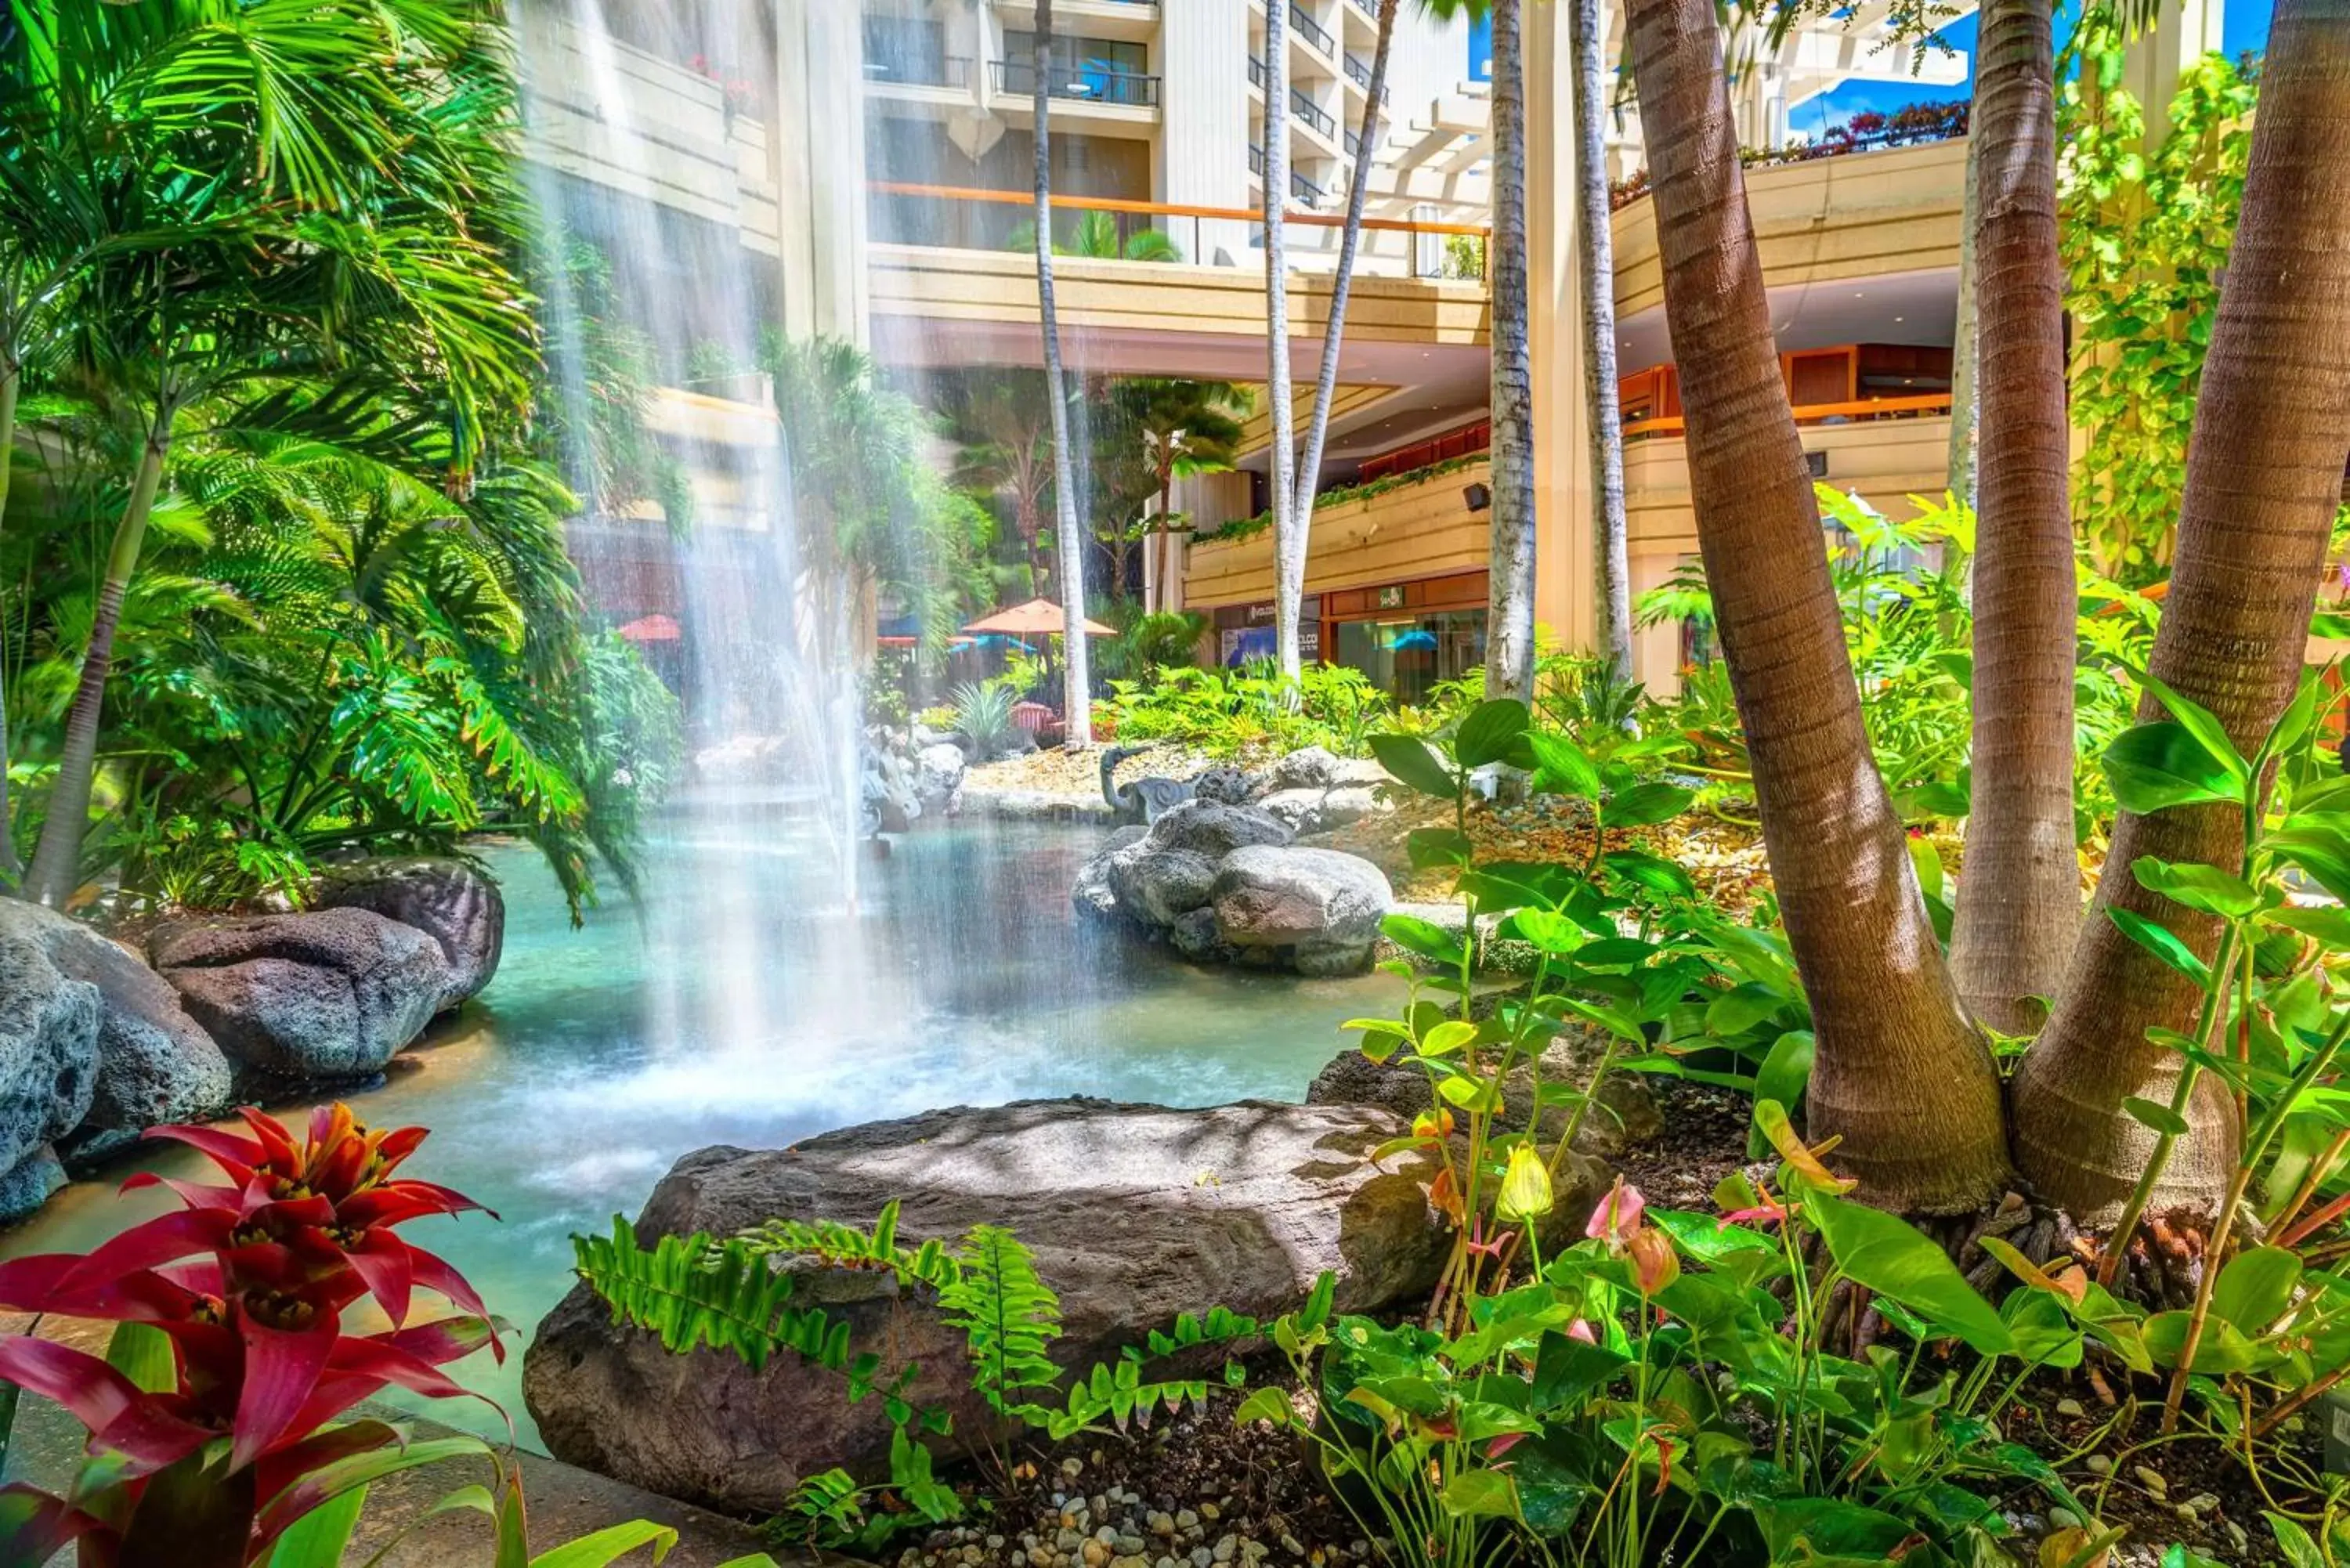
(1595, 242)
(1959, 459)
(2264, 471)
(57, 862)
(1325, 384)
(11, 384)
(1510, 621)
(1288, 539)
(1077, 681)
(2020, 898)
(1901, 1075)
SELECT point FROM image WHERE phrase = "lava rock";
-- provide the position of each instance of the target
(938, 777)
(30, 1183)
(48, 1055)
(1322, 905)
(1094, 893)
(453, 901)
(1321, 808)
(1215, 830)
(154, 1062)
(1159, 886)
(1223, 786)
(1134, 1213)
(1308, 767)
(330, 994)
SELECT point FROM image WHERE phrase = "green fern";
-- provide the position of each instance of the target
(692, 1290)
(1008, 1315)
(846, 1247)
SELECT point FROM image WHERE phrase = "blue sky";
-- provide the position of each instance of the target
(2244, 28)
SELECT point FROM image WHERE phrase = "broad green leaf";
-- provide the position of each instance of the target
(1788, 1069)
(1267, 1404)
(2043, 1331)
(319, 1539)
(2199, 887)
(2292, 1540)
(1562, 768)
(608, 1546)
(1654, 872)
(2157, 940)
(1549, 930)
(1890, 1257)
(2255, 1287)
(2159, 1118)
(1928, 862)
(1447, 1037)
(1481, 1493)
(2155, 766)
(2220, 1353)
(2204, 725)
(1489, 732)
(143, 1354)
(1646, 804)
(2291, 731)
(1740, 1008)
(1425, 937)
(1408, 759)
(2319, 846)
(1434, 846)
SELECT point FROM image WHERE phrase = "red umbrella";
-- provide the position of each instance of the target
(651, 628)
(1037, 617)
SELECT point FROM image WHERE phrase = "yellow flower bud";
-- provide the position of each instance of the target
(1526, 1186)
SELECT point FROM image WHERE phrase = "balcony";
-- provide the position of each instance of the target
(1081, 83)
(1304, 190)
(933, 71)
(1257, 73)
(1313, 32)
(1313, 114)
(1359, 73)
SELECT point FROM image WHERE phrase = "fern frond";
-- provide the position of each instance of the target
(692, 1292)
(1007, 1314)
(846, 1247)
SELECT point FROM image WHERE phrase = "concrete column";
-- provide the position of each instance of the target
(2185, 32)
(1563, 536)
(1204, 51)
(818, 151)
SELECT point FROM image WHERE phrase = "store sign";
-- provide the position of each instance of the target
(1253, 638)
(1392, 596)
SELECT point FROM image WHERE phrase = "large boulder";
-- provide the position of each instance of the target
(48, 1061)
(453, 901)
(1321, 808)
(1323, 906)
(938, 777)
(1134, 1213)
(1159, 886)
(154, 1062)
(1215, 829)
(1308, 767)
(330, 994)
(1093, 894)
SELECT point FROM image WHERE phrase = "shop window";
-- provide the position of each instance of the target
(1407, 654)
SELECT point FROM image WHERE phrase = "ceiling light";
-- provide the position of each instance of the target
(1896, 318)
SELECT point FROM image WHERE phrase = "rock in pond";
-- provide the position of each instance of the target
(1321, 905)
(453, 901)
(938, 777)
(1134, 1213)
(330, 994)
(48, 1057)
(154, 1064)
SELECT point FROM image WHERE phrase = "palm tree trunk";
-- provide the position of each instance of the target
(1901, 1075)
(1611, 541)
(1960, 459)
(1325, 384)
(11, 382)
(2020, 897)
(2263, 479)
(1510, 621)
(1165, 543)
(1288, 541)
(1077, 685)
(56, 861)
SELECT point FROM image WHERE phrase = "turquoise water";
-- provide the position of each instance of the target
(738, 1008)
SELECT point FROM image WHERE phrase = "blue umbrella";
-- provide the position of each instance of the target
(1422, 641)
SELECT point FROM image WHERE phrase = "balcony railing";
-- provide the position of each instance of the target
(1313, 32)
(1084, 84)
(1361, 74)
(946, 71)
(1312, 113)
(1304, 190)
(1257, 73)
(1256, 159)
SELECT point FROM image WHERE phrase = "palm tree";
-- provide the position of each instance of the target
(1899, 1073)
(1596, 241)
(1096, 238)
(1510, 619)
(1325, 385)
(1187, 428)
(292, 247)
(1005, 429)
(1288, 542)
(2021, 900)
(1077, 700)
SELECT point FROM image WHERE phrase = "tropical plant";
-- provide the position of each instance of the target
(1006, 433)
(1095, 237)
(983, 716)
(1251, 710)
(1148, 642)
(1186, 428)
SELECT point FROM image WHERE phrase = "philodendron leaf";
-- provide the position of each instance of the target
(1408, 759)
(2159, 1118)
(2153, 767)
(1646, 804)
(1426, 938)
(2205, 726)
(2162, 942)
(2199, 887)
(2256, 1287)
(1490, 733)
(1889, 1256)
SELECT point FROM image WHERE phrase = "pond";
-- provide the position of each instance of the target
(738, 1006)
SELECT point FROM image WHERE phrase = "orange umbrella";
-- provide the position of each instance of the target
(653, 628)
(1037, 617)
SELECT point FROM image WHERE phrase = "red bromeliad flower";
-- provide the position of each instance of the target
(249, 1280)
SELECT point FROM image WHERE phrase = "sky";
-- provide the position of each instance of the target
(2244, 28)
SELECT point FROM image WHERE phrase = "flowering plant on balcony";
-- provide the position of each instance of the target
(210, 1416)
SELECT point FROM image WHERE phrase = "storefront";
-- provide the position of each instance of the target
(1407, 636)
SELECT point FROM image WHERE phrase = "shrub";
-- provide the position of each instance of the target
(982, 717)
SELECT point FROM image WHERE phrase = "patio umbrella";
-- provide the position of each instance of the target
(655, 628)
(1037, 617)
